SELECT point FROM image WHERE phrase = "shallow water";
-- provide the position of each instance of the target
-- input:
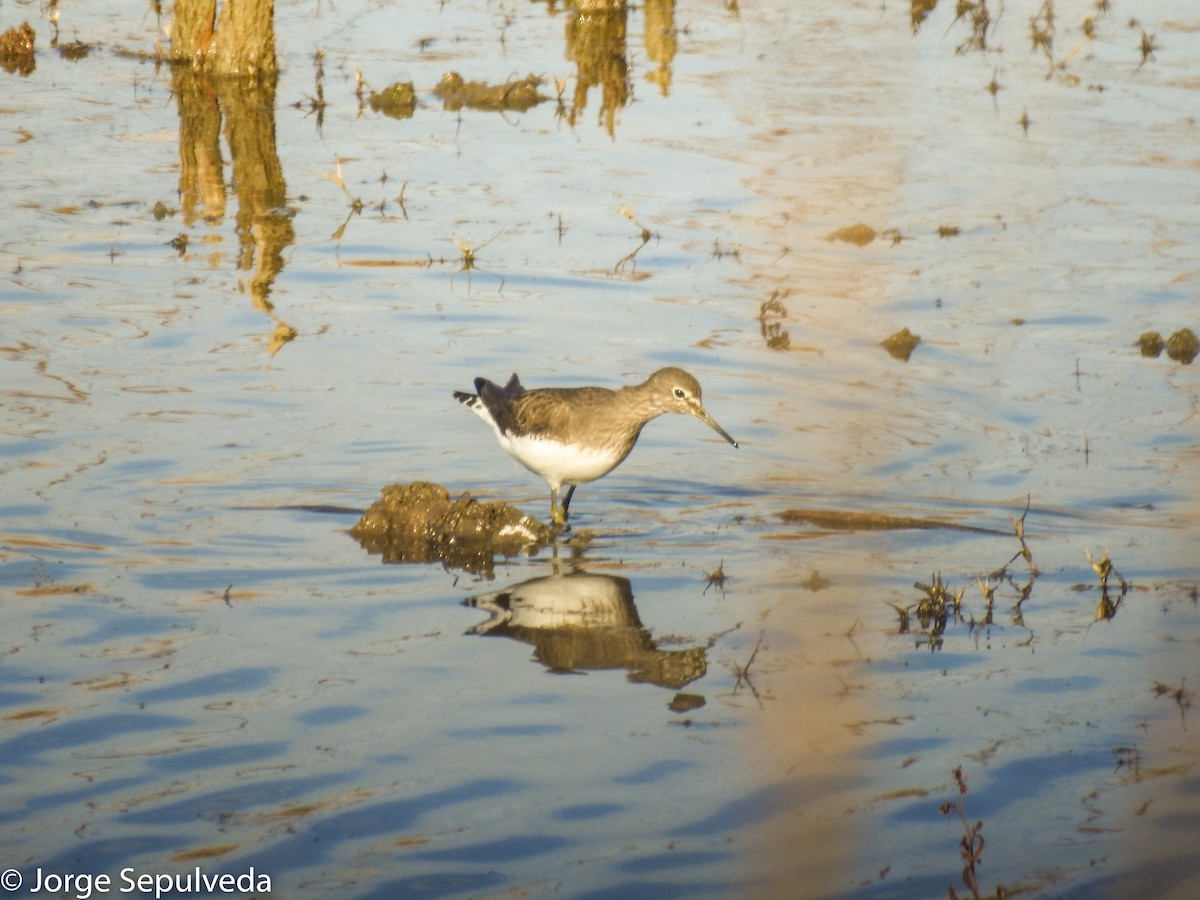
(205, 670)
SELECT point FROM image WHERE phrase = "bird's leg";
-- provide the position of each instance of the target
(567, 502)
(558, 516)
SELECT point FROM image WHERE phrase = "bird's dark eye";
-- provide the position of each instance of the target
(680, 393)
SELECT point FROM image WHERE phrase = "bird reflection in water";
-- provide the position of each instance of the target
(582, 622)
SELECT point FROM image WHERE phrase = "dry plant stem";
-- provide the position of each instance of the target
(972, 841)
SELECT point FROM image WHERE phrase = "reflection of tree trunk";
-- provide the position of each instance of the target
(661, 41)
(201, 170)
(263, 222)
(596, 44)
(239, 40)
(264, 225)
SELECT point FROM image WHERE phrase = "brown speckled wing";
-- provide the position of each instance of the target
(571, 414)
(539, 412)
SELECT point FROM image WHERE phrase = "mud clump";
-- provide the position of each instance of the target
(860, 235)
(901, 344)
(16, 50)
(419, 522)
(397, 101)
(1183, 346)
(74, 51)
(518, 95)
(1150, 343)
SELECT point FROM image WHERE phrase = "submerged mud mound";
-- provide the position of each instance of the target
(418, 522)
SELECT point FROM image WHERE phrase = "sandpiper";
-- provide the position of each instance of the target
(572, 435)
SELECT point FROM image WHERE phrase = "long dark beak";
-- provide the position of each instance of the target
(712, 423)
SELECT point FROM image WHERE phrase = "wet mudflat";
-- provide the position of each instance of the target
(226, 324)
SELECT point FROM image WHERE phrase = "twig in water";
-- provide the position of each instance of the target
(972, 841)
(743, 672)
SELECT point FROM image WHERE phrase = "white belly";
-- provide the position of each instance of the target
(560, 464)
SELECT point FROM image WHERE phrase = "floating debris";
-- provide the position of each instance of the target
(1025, 121)
(1181, 696)
(901, 344)
(770, 322)
(397, 101)
(716, 578)
(860, 235)
(74, 51)
(683, 703)
(518, 95)
(1183, 346)
(1147, 45)
(919, 10)
(1150, 343)
(841, 520)
(979, 19)
(815, 582)
(16, 50)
